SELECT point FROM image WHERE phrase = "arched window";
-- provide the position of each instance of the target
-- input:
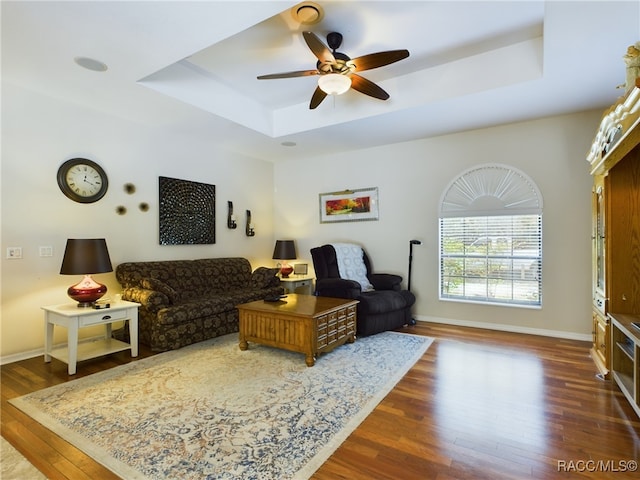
(491, 237)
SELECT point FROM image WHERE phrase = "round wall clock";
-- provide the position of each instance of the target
(82, 180)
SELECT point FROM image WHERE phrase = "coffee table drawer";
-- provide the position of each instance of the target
(323, 330)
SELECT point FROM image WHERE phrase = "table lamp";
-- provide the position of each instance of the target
(86, 256)
(285, 250)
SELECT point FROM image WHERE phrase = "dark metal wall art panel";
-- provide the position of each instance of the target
(187, 212)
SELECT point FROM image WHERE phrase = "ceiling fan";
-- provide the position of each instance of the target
(338, 72)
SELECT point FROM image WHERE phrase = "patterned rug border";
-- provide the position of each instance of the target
(124, 470)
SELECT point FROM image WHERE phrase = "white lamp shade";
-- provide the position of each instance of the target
(334, 83)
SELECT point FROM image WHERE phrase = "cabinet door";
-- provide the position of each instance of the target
(623, 235)
(599, 236)
(600, 349)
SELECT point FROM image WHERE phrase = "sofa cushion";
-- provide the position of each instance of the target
(151, 283)
(383, 301)
(211, 305)
(187, 281)
(185, 312)
(223, 274)
(263, 277)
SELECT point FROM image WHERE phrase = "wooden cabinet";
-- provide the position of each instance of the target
(615, 165)
(599, 351)
(622, 258)
(600, 326)
(625, 358)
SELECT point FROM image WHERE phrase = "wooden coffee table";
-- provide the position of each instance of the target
(299, 323)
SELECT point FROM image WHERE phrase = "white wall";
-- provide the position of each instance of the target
(411, 178)
(39, 133)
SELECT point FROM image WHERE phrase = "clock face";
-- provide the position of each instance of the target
(82, 180)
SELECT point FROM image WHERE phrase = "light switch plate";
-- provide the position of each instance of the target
(14, 253)
(46, 251)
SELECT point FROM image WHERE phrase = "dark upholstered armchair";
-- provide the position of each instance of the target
(383, 305)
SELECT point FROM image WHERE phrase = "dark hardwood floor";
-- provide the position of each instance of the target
(479, 404)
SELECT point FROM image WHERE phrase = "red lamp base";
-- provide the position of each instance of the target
(87, 292)
(285, 271)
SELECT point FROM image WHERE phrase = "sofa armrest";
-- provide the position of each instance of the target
(385, 281)
(151, 300)
(338, 287)
(263, 277)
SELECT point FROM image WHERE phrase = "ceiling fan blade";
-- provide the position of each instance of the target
(317, 98)
(318, 48)
(299, 73)
(380, 59)
(367, 87)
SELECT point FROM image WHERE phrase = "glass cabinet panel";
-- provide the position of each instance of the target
(600, 240)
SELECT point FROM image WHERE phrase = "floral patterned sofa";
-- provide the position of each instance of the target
(188, 301)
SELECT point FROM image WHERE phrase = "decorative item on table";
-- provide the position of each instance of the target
(300, 269)
(231, 218)
(86, 256)
(249, 228)
(285, 250)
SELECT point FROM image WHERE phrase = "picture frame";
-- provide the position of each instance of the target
(300, 268)
(349, 205)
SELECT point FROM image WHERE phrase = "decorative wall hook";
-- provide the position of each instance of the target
(231, 218)
(249, 228)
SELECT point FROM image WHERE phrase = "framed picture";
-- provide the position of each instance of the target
(300, 268)
(349, 205)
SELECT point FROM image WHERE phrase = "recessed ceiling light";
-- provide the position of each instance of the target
(307, 13)
(288, 144)
(90, 64)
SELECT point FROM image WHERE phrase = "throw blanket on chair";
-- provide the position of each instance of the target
(351, 264)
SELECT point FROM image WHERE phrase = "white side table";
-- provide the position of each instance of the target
(297, 284)
(73, 318)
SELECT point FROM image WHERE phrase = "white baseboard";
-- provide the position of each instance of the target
(507, 328)
(16, 357)
(420, 318)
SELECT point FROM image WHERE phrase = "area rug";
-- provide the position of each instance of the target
(212, 411)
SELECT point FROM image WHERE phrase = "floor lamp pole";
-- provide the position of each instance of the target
(411, 244)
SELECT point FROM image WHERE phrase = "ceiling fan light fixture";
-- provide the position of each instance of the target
(334, 83)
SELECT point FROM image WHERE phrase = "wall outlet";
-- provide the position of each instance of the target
(46, 251)
(14, 252)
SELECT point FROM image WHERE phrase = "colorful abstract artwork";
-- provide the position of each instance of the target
(349, 205)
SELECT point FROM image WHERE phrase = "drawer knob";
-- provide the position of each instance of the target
(106, 317)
